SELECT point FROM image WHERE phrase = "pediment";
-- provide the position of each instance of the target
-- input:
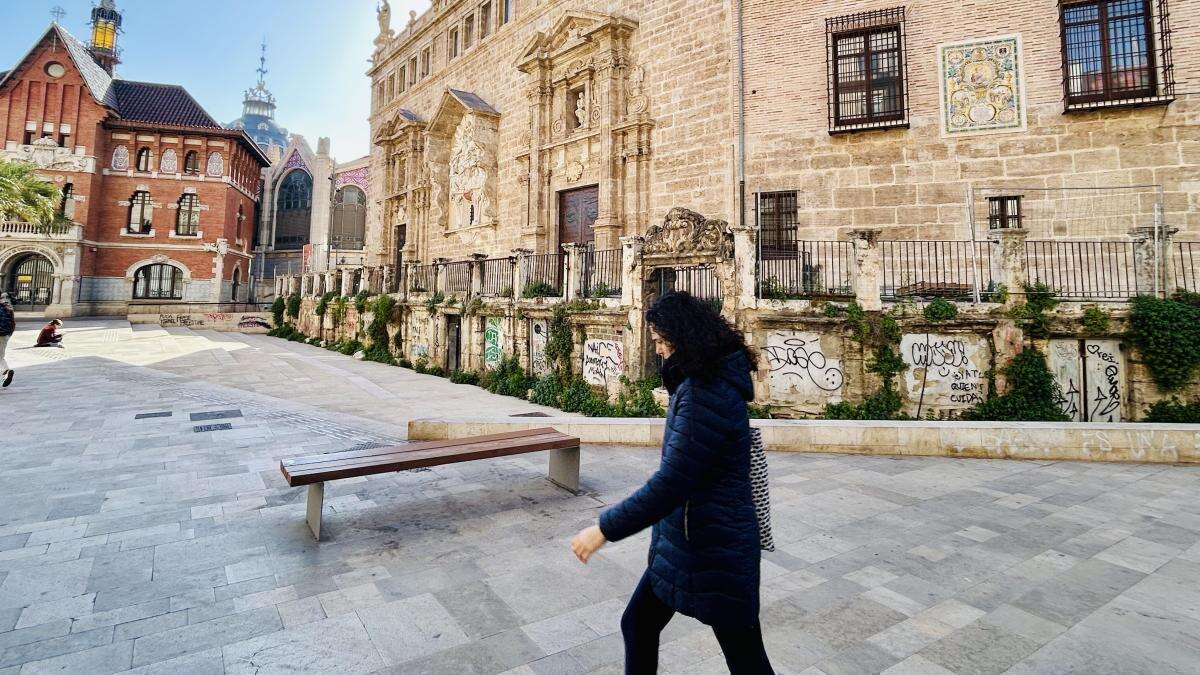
(453, 106)
(573, 29)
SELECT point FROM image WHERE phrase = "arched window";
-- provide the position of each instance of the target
(349, 218)
(241, 216)
(143, 160)
(140, 213)
(187, 221)
(158, 282)
(294, 214)
(237, 283)
(191, 163)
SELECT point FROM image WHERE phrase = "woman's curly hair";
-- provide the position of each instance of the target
(702, 338)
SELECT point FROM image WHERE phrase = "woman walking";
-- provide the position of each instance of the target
(704, 550)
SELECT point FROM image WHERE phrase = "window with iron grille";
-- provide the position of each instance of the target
(867, 71)
(777, 216)
(159, 281)
(1004, 212)
(187, 220)
(1110, 56)
(140, 213)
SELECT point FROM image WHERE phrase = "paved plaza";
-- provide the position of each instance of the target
(144, 525)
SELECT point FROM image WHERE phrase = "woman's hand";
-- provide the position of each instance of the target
(588, 541)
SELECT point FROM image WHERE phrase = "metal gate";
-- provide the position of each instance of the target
(453, 343)
(30, 284)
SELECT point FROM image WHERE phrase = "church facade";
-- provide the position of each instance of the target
(161, 198)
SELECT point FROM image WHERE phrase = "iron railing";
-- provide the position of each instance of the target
(424, 279)
(542, 275)
(935, 269)
(1083, 270)
(458, 278)
(1186, 262)
(601, 274)
(497, 279)
(700, 281)
(815, 269)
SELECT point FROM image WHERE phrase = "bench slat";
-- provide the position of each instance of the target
(421, 445)
(319, 468)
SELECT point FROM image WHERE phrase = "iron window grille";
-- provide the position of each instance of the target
(1110, 56)
(140, 213)
(187, 221)
(158, 282)
(777, 224)
(143, 160)
(1004, 212)
(867, 64)
(191, 163)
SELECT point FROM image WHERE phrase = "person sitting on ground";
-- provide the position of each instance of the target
(50, 337)
(8, 325)
(705, 549)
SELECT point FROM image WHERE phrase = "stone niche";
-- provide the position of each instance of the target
(460, 160)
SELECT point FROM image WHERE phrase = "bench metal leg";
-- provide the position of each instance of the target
(564, 468)
(316, 499)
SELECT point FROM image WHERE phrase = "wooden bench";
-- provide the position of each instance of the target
(314, 470)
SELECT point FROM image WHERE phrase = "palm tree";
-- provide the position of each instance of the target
(27, 198)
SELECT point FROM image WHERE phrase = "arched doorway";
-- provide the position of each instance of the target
(30, 282)
(293, 219)
(237, 284)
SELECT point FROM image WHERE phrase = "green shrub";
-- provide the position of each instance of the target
(436, 371)
(539, 289)
(293, 306)
(1095, 321)
(759, 412)
(421, 366)
(576, 395)
(548, 391)
(1174, 412)
(884, 404)
(464, 377)
(404, 363)
(636, 399)
(1186, 297)
(433, 301)
(323, 304)
(772, 289)
(940, 310)
(349, 347)
(381, 311)
(1031, 314)
(508, 378)
(560, 341)
(1032, 396)
(1167, 335)
(337, 311)
(360, 301)
(277, 309)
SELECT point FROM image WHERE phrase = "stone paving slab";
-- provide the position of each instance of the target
(132, 544)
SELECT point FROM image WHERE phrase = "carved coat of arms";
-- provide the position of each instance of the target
(685, 232)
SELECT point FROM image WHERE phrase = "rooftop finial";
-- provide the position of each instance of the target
(262, 64)
(57, 14)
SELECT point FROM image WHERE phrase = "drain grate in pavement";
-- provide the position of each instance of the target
(215, 415)
(530, 414)
(223, 426)
(146, 416)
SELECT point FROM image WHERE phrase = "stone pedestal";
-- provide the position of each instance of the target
(573, 270)
(1014, 268)
(741, 291)
(1151, 259)
(867, 269)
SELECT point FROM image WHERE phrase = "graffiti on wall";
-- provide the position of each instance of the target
(945, 372)
(493, 342)
(1091, 377)
(603, 361)
(799, 366)
(219, 321)
(419, 338)
(539, 335)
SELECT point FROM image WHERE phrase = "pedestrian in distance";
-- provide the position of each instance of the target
(8, 325)
(705, 547)
(49, 336)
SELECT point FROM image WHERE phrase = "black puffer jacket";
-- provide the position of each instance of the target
(704, 552)
(8, 322)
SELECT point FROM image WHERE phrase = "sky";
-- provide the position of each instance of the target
(318, 53)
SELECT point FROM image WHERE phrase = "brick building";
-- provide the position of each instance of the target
(162, 198)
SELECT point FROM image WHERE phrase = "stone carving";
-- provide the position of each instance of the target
(685, 232)
(573, 171)
(981, 86)
(539, 336)
(44, 153)
(800, 367)
(471, 168)
(169, 162)
(945, 372)
(120, 158)
(216, 165)
(558, 128)
(603, 361)
(636, 101)
(581, 110)
(383, 12)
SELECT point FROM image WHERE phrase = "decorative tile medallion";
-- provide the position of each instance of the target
(360, 177)
(216, 165)
(295, 161)
(981, 86)
(120, 158)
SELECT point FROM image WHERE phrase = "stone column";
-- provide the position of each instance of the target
(867, 263)
(632, 291)
(440, 274)
(1152, 263)
(476, 276)
(293, 284)
(573, 272)
(220, 249)
(522, 255)
(1014, 269)
(347, 282)
(742, 287)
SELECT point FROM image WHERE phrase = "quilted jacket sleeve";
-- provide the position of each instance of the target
(690, 458)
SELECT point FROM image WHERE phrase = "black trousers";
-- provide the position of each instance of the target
(646, 616)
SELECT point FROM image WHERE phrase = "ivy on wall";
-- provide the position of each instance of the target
(1032, 394)
(880, 332)
(1167, 335)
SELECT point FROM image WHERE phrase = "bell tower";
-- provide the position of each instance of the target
(106, 25)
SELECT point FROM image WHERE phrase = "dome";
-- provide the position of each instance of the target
(258, 113)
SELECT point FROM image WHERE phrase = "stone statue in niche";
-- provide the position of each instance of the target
(470, 167)
(581, 109)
